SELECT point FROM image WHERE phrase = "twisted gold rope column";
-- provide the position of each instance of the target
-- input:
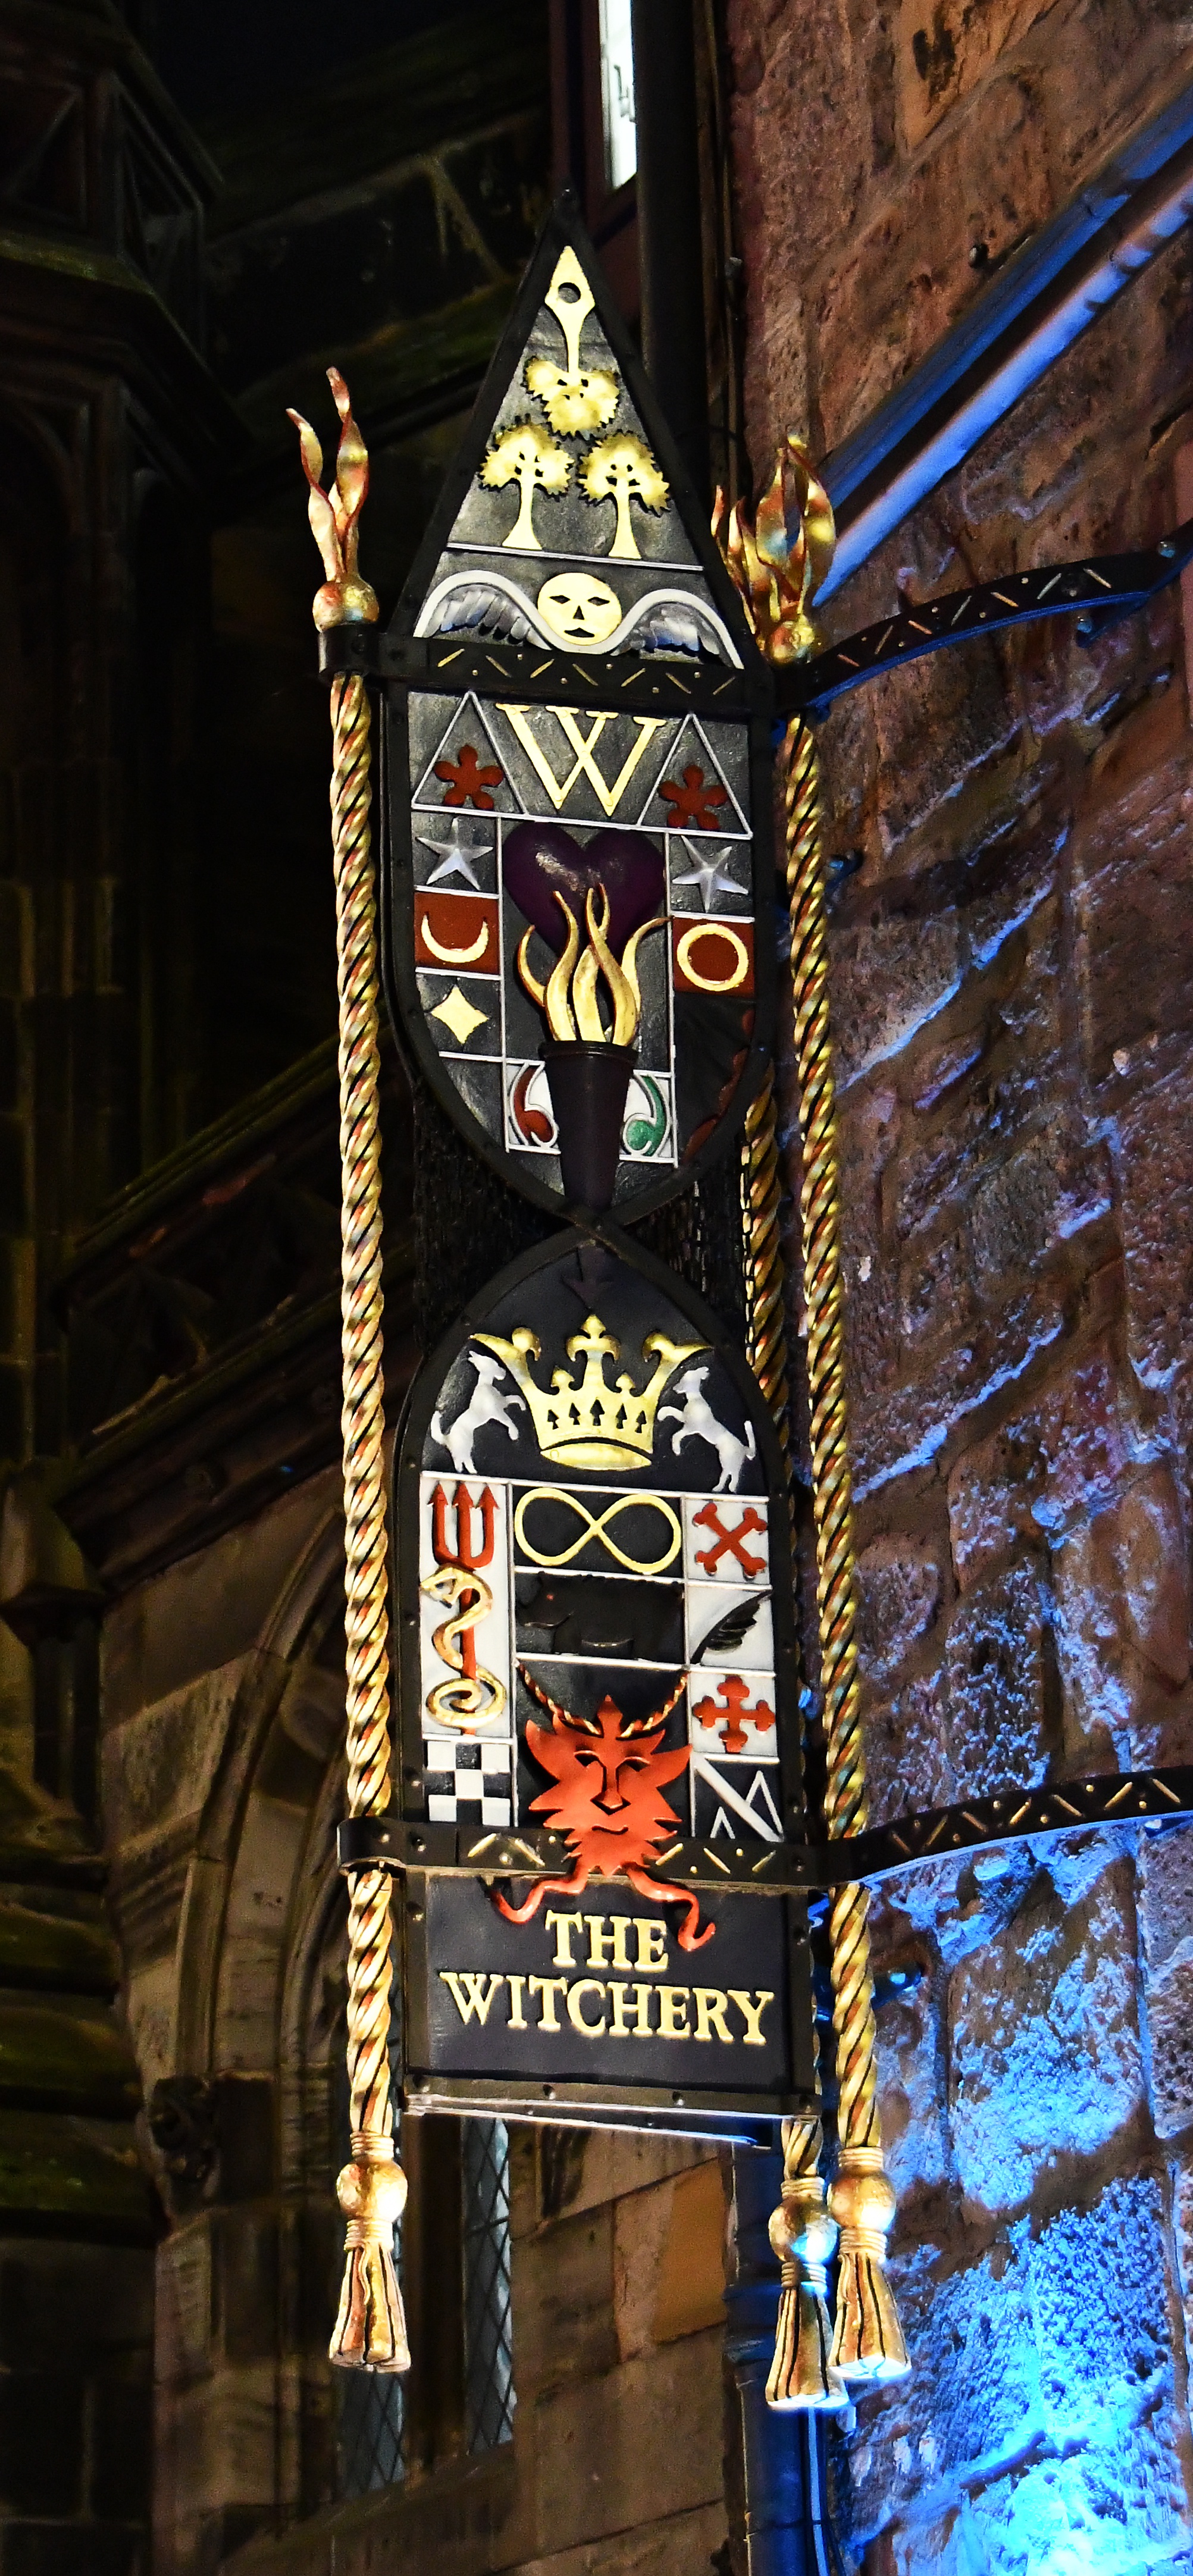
(766, 1338)
(777, 555)
(370, 2330)
(867, 2341)
(802, 2377)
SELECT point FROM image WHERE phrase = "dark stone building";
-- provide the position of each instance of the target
(949, 246)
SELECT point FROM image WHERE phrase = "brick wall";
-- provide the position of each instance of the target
(1013, 985)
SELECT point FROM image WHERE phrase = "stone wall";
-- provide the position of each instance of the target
(222, 1766)
(1012, 976)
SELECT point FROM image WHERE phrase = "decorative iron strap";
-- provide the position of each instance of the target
(1103, 1798)
(1098, 592)
(544, 678)
(370, 2331)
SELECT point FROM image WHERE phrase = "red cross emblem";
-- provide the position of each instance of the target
(733, 1539)
(730, 1703)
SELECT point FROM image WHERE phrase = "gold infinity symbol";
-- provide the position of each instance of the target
(596, 1525)
(477, 1695)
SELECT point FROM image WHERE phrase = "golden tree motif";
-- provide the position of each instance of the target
(576, 398)
(622, 469)
(576, 403)
(527, 455)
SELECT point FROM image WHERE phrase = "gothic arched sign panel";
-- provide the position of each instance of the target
(596, 1640)
(579, 873)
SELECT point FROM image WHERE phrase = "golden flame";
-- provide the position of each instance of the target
(570, 999)
(778, 555)
(345, 598)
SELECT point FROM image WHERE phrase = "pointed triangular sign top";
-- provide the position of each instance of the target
(568, 520)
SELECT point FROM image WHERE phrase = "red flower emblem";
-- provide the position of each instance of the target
(466, 781)
(693, 806)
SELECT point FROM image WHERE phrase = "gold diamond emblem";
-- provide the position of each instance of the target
(458, 1015)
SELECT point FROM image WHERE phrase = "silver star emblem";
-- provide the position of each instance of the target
(459, 849)
(709, 874)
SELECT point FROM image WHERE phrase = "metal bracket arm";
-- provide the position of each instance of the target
(1097, 592)
(791, 1869)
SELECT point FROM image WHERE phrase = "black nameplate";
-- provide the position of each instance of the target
(597, 1989)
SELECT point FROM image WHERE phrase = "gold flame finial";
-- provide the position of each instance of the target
(778, 556)
(343, 599)
(569, 999)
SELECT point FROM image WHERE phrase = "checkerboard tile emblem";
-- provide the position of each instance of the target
(467, 1783)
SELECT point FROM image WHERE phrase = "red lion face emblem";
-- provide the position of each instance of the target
(607, 1780)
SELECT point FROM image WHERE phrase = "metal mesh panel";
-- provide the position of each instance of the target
(488, 2347)
(467, 1224)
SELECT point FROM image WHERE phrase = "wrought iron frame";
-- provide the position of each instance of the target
(1100, 1798)
(1097, 590)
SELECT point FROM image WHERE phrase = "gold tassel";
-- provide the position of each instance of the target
(868, 2341)
(803, 2377)
(370, 2330)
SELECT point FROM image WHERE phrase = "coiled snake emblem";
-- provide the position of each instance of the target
(476, 1695)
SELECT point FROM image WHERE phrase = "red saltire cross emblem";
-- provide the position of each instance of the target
(731, 1539)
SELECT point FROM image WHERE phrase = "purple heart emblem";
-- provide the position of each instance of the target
(537, 858)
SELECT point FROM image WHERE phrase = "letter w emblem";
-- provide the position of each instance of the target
(584, 746)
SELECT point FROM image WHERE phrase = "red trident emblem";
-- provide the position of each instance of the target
(477, 1695)
(731, 1539)
(464, 1504)
(730, 1703)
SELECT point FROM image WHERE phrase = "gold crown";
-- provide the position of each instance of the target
(592, 1424)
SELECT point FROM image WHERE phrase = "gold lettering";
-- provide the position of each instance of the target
(711, 2006)
(516, 2018)
(584, 765)
(608, 1949)
(619, 2028)
(474, 2001)
(752, 2014)
(652, 1943)
(548, 1988)
(673, 2012)
(563, 1938)
(585, 1986)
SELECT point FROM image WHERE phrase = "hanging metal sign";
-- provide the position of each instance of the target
(597, 1677)
(600, 1831)
(579, 780)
